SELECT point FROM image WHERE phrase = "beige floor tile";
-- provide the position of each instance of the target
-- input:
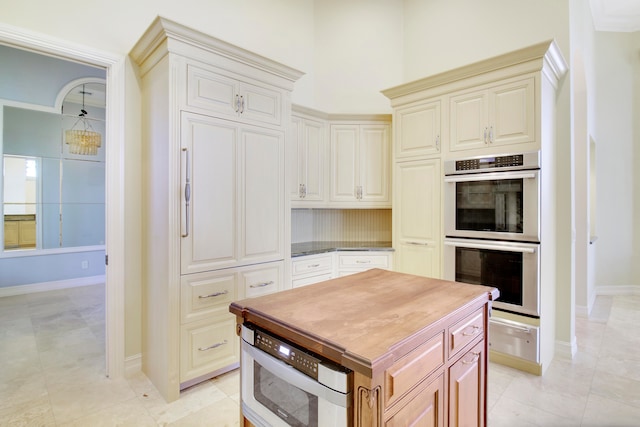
(601, 412)
(513, 413)
(224, 413)
(125, 414)
(35, 412)
(72, 401)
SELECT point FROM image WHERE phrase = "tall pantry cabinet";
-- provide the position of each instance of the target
(215, 122)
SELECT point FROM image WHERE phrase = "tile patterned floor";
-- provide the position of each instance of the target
(52, 373)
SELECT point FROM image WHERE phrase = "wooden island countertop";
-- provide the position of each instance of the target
(417, 346)
(359, 320)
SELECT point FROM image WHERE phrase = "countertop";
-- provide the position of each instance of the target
(358, 320)
(312, 248)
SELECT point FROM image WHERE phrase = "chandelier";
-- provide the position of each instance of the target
(84, 140)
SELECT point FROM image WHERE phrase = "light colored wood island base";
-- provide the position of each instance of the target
(417, 346)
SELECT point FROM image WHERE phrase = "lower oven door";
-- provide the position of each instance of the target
(511, 267)
(275, 394)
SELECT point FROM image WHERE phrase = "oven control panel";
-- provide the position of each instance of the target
(293, 356)
(498, 163)
(489, 162)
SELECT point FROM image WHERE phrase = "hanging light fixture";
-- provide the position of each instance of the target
(84, 140)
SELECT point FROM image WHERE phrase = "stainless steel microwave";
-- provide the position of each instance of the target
(495, 197)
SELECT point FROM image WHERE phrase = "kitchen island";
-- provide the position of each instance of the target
(416, 347)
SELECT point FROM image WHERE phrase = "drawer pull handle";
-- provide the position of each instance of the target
(217, 294)
(475, 331)
(313, 265)
(476, 356)
(261, 285)
(216, 345)
(365, 261)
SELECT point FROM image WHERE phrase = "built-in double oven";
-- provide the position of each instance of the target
(492, 237)
(284, 385)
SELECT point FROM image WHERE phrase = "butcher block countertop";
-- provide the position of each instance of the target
(363, 321)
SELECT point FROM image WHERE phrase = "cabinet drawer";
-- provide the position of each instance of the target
(364, 261)
(206, 294)
(408, 371)
(311, 280)
(263, 280)
(465, 331)
(316, 264)
(207, 346)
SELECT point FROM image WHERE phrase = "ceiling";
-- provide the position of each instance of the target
(616, 15)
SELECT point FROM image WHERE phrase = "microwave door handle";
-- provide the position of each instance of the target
(489, 176)
(294, 377)
(489, 246)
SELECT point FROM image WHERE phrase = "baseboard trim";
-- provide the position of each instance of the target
(567, 350)
(132, 365)
(51, 286)
(618, 290)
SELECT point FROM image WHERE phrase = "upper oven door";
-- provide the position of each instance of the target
(497, 205)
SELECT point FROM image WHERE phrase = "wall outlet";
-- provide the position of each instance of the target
(84, 265)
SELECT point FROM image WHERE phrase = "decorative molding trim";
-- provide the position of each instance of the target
(51, 286)
(132, 365)
(567, 350)
(115, 131)
(618, 290)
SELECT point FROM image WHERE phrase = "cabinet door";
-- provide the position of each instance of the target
(469, 125)
(426, 409)
(345, 162)
(512, 112)
(417, 130)
(261, 191)
(210, 218)
(466, 389)
(308, 174)
(374, 163)
(416, 217)
(262, 279)
(213, 90)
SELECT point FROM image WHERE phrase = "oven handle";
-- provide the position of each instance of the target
(489, 246)
(294, 377)
(490, 176)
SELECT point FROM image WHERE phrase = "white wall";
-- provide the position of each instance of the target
(358, 53)
(617, 147)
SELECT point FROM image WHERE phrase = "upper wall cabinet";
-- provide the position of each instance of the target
(212, 89)
(360, 165)
(418, 129)
(496, 106)
(309, 160)
(495, 115)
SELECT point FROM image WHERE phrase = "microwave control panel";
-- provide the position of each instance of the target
(284, 351)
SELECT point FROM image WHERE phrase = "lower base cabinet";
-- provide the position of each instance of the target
(466, 388)
(426, 408)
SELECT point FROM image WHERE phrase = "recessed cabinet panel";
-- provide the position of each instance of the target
(469, 120)
(513, 110)
(211, 91)
(426, 409)
(344, 162)
(208, 345)
(308, 162)
(262, 279)
(466, 389)
(209, 199)
(262, 195)
(416, 217)
(206, 294)
(418, 130)
(260, 104)
(374, 163)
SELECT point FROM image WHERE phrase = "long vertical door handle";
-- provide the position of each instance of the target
(187, 192)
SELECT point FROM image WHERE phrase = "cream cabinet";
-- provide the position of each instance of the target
(494, 115)
(417, 235)
(224, 93)
(350, 262)
(418, 129)
(215, 121)
(309, 161)
(309, 269)
(360, 165)
(232, 193)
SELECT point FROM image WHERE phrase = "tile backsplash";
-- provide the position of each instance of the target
(367, 225)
